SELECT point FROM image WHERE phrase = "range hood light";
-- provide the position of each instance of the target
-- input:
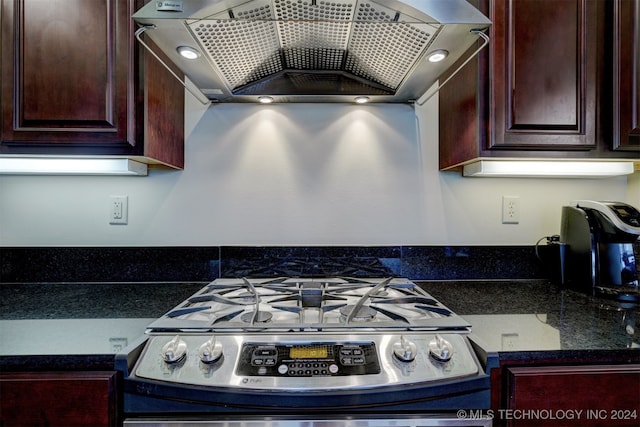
(188, 52)
(312, 51)
(437, 55)
(70, 166)
(265, 99)
(547, 169)
(361, 99)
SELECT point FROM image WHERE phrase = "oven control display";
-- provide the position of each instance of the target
(308, 360)
(309, 352)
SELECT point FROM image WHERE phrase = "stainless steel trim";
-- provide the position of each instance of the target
(485, 43)
(423, 369)
(418, 421)
(198, 95)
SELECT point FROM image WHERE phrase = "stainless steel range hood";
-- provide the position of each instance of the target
(312, 50)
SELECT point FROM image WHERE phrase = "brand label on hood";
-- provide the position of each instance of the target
(172, 6)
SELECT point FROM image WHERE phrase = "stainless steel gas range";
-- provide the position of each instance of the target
(305, 351)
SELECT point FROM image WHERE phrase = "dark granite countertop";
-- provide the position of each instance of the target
(81, 326)
(91, 300)
(538, 320)
(52, 326)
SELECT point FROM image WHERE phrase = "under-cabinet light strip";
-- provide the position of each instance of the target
(547, 169)
(70, 166)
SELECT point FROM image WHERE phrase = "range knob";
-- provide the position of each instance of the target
(210, 351)
(175, 350)
(440, 349)
(405, 350)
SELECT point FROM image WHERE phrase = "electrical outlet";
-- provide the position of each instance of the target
(119, 210)
(510, 341)
(117, 344)
(510, 209)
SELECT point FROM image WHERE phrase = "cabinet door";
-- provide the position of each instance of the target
(583, 396)
(67, 76)
(626, 75)
(58, 399)
(543, 72)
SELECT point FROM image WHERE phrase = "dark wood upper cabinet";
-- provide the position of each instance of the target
(73, 83)
(66, 71)
(626, 75)
(543, 72)
(542, 87)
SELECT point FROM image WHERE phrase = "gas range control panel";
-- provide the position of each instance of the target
(308, 360)
(304, 363)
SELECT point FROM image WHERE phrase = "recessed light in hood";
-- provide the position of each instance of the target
(187, 52)
(313, 50)
(438, 55)
(265, 99)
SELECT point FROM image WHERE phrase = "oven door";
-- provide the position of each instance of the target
(475, 420)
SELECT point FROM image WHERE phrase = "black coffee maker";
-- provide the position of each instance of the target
(597, 248)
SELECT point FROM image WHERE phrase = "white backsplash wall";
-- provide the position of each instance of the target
(296, 175)
(633, 190)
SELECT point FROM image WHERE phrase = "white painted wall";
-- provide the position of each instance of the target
(633, 190)
(296, 175)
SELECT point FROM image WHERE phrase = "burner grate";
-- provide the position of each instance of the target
(289, 304)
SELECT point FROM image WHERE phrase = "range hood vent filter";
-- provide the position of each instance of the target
(275, 47)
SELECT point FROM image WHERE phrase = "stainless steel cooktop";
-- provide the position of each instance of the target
(309, 305)
(308, 335)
